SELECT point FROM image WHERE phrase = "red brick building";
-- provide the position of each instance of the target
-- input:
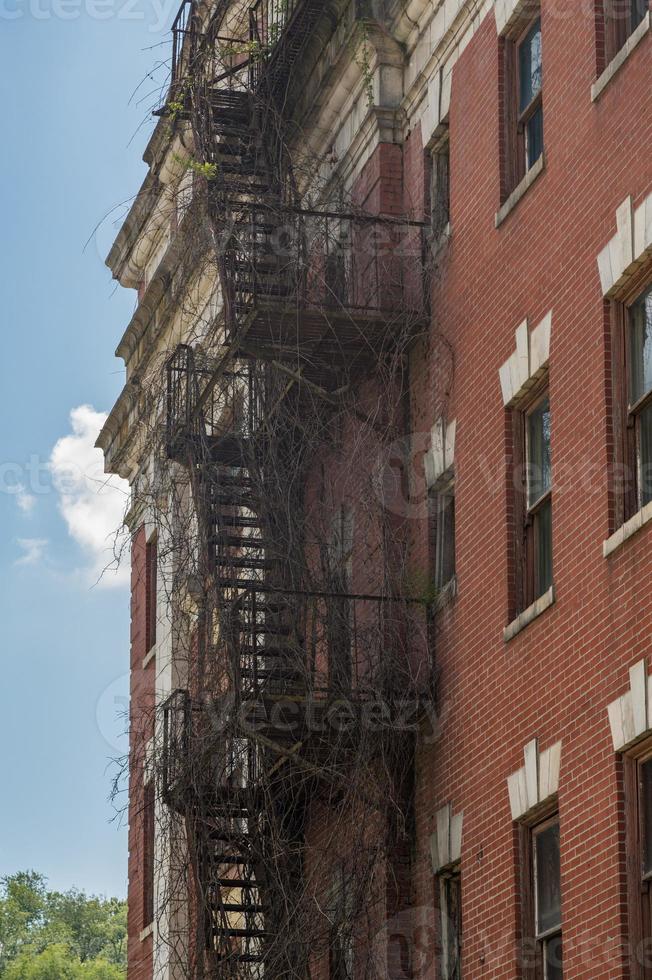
(512, 445)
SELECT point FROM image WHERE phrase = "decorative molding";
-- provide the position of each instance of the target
(441, 455)
(508, 13)
(536, 782)
(528, 362)
(446, 842)
(630, 715)
(630, 247)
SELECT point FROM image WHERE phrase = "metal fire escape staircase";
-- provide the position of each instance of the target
(215, 420)
(258, 630)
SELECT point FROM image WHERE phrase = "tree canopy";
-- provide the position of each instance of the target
(49, 935)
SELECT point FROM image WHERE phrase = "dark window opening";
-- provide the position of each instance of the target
(440, 188)
(148, 853)
(441, 504)
(151, 588)
(640, 391)
(638, 844)
(619, 19)
(532, 501)
(542, 951)
(539, 499)
(450, 904)
(632, 405)
(341, 940)
(340, 606)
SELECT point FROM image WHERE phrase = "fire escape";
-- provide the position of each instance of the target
(310, 296)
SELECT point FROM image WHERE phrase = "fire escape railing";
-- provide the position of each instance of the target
(183, 40)
(201, 408)
(306, 259)
(356, 656)
(269, 23)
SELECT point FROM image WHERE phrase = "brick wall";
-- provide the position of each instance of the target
(556, 678)
(139, 951)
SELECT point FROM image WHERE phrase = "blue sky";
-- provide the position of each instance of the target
(68, 71)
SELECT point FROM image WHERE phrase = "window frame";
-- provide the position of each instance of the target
(341, 946)
(149, 851)
(444, 879)
(543, 938)
(627, 462)
(438, 189)
(636, 408)
(340, 614)
(526, 519)
(151, 593)
(531, 939)
(441, 496)
(514, 154)
(525, 116)
(616, 30)
(534, 511)
(639, 883)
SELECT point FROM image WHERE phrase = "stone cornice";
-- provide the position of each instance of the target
(140, 230)
(159, 286)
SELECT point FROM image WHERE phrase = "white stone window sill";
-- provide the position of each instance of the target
(149, 656)
(530, 614)
(628, 529)
(616, 63)
(148, 931)
(520, 190)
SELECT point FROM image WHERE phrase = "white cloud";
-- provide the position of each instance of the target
(33, 550)
(91, 503)
(26, 501)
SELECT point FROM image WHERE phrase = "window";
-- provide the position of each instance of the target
(340, 607)
(341, 941)
(640, 391)
(632, 405)
(450, 906)
(440, 188)
(151, 588)
(148, 818)
(530, 82)
(522, 83)
(539, 498)
(441, 501)
(638, 816)
(533, 501)
(620, 18)
(541, 901)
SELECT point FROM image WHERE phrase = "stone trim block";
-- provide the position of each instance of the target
(536, 782)
(630, 715)
(630, 247)
(528, 361)
(446, 842)
(509, 12)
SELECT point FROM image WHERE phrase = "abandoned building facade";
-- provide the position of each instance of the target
(387, 421)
